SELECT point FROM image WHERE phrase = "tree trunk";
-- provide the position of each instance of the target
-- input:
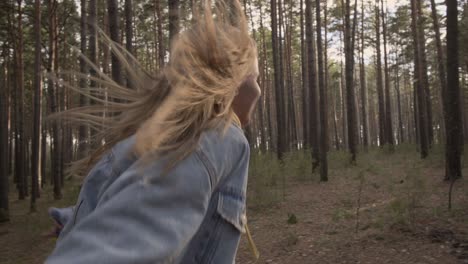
(323, 99)
(419, 83)
(398, 93)
(20, 142)
(114, 30)
(305, 84)
(278, 83)
(349, 76)
(43, 157)
(173, 18)
(452, 102)
(260, 111)
(264, 73)
(325, 65)
(129, 26)
(52, 92)
(313, 93)
(36, 135)
(4, 134)
(424, 77)
(282, 72)
(83, 132)
(129, 34)
(290, 79)
(380, 93)
(161, 49)
(388, 110)
(362, 74)
(440, 59)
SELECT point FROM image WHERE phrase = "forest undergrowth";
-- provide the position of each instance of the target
(391, 207)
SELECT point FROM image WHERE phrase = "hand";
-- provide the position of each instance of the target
(55, 230)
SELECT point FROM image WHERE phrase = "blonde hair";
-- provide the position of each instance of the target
(194, 92)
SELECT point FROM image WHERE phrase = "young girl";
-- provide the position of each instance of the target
(169, 184)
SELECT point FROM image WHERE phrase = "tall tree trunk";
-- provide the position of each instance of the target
(452, 102)
(174, 18)
(440, 59)
(401, 137)
(44, 156)
(284, 91)
(362, 77)
(349, 74)
(264, 73)
(4, 134)
(380, 93)
(325, 65)
(305, 84)
(388, 109)
(92, 46)
(342, 86)
(129, 26)
(53, 100)
(263, 66)
(20, 143)
(161, 47)
(129, 34)
(36, 135)
(323, 99)
(424, 77)
(278, 83)
(290, 78)
(83, 133)
(313, 93)
(114, 30)
(419, 83)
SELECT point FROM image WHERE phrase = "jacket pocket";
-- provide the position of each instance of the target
(232, 209)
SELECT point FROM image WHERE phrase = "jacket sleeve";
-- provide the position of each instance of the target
(149, 220)
(61, 215)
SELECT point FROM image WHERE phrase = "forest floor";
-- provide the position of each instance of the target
(403, 216)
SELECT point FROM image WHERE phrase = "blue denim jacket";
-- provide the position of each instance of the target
(129, 212)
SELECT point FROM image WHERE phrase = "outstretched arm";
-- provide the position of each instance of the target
(150, 220)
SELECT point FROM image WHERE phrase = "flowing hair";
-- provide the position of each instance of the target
(169, 112)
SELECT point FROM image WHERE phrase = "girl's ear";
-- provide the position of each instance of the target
(246, 99)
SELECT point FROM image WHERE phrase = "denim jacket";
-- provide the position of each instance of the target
(128, 211)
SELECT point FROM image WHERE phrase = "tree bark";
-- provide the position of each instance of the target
(161, 47)
(262, 103)
(323, 99)
(53, 103)
(313, 93)
(452, 102)
(305, 84)
(349, 76)
(278, 83)
(114, 30)
(129, 34)
(20, 142)
(419, 83)
(173, 18)
(83, 132)
(36, 135)
(380, 93)
(362, 77)
(290, 79)
(440, 58)
(4, 141)
(424, 77)
(388, 110)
